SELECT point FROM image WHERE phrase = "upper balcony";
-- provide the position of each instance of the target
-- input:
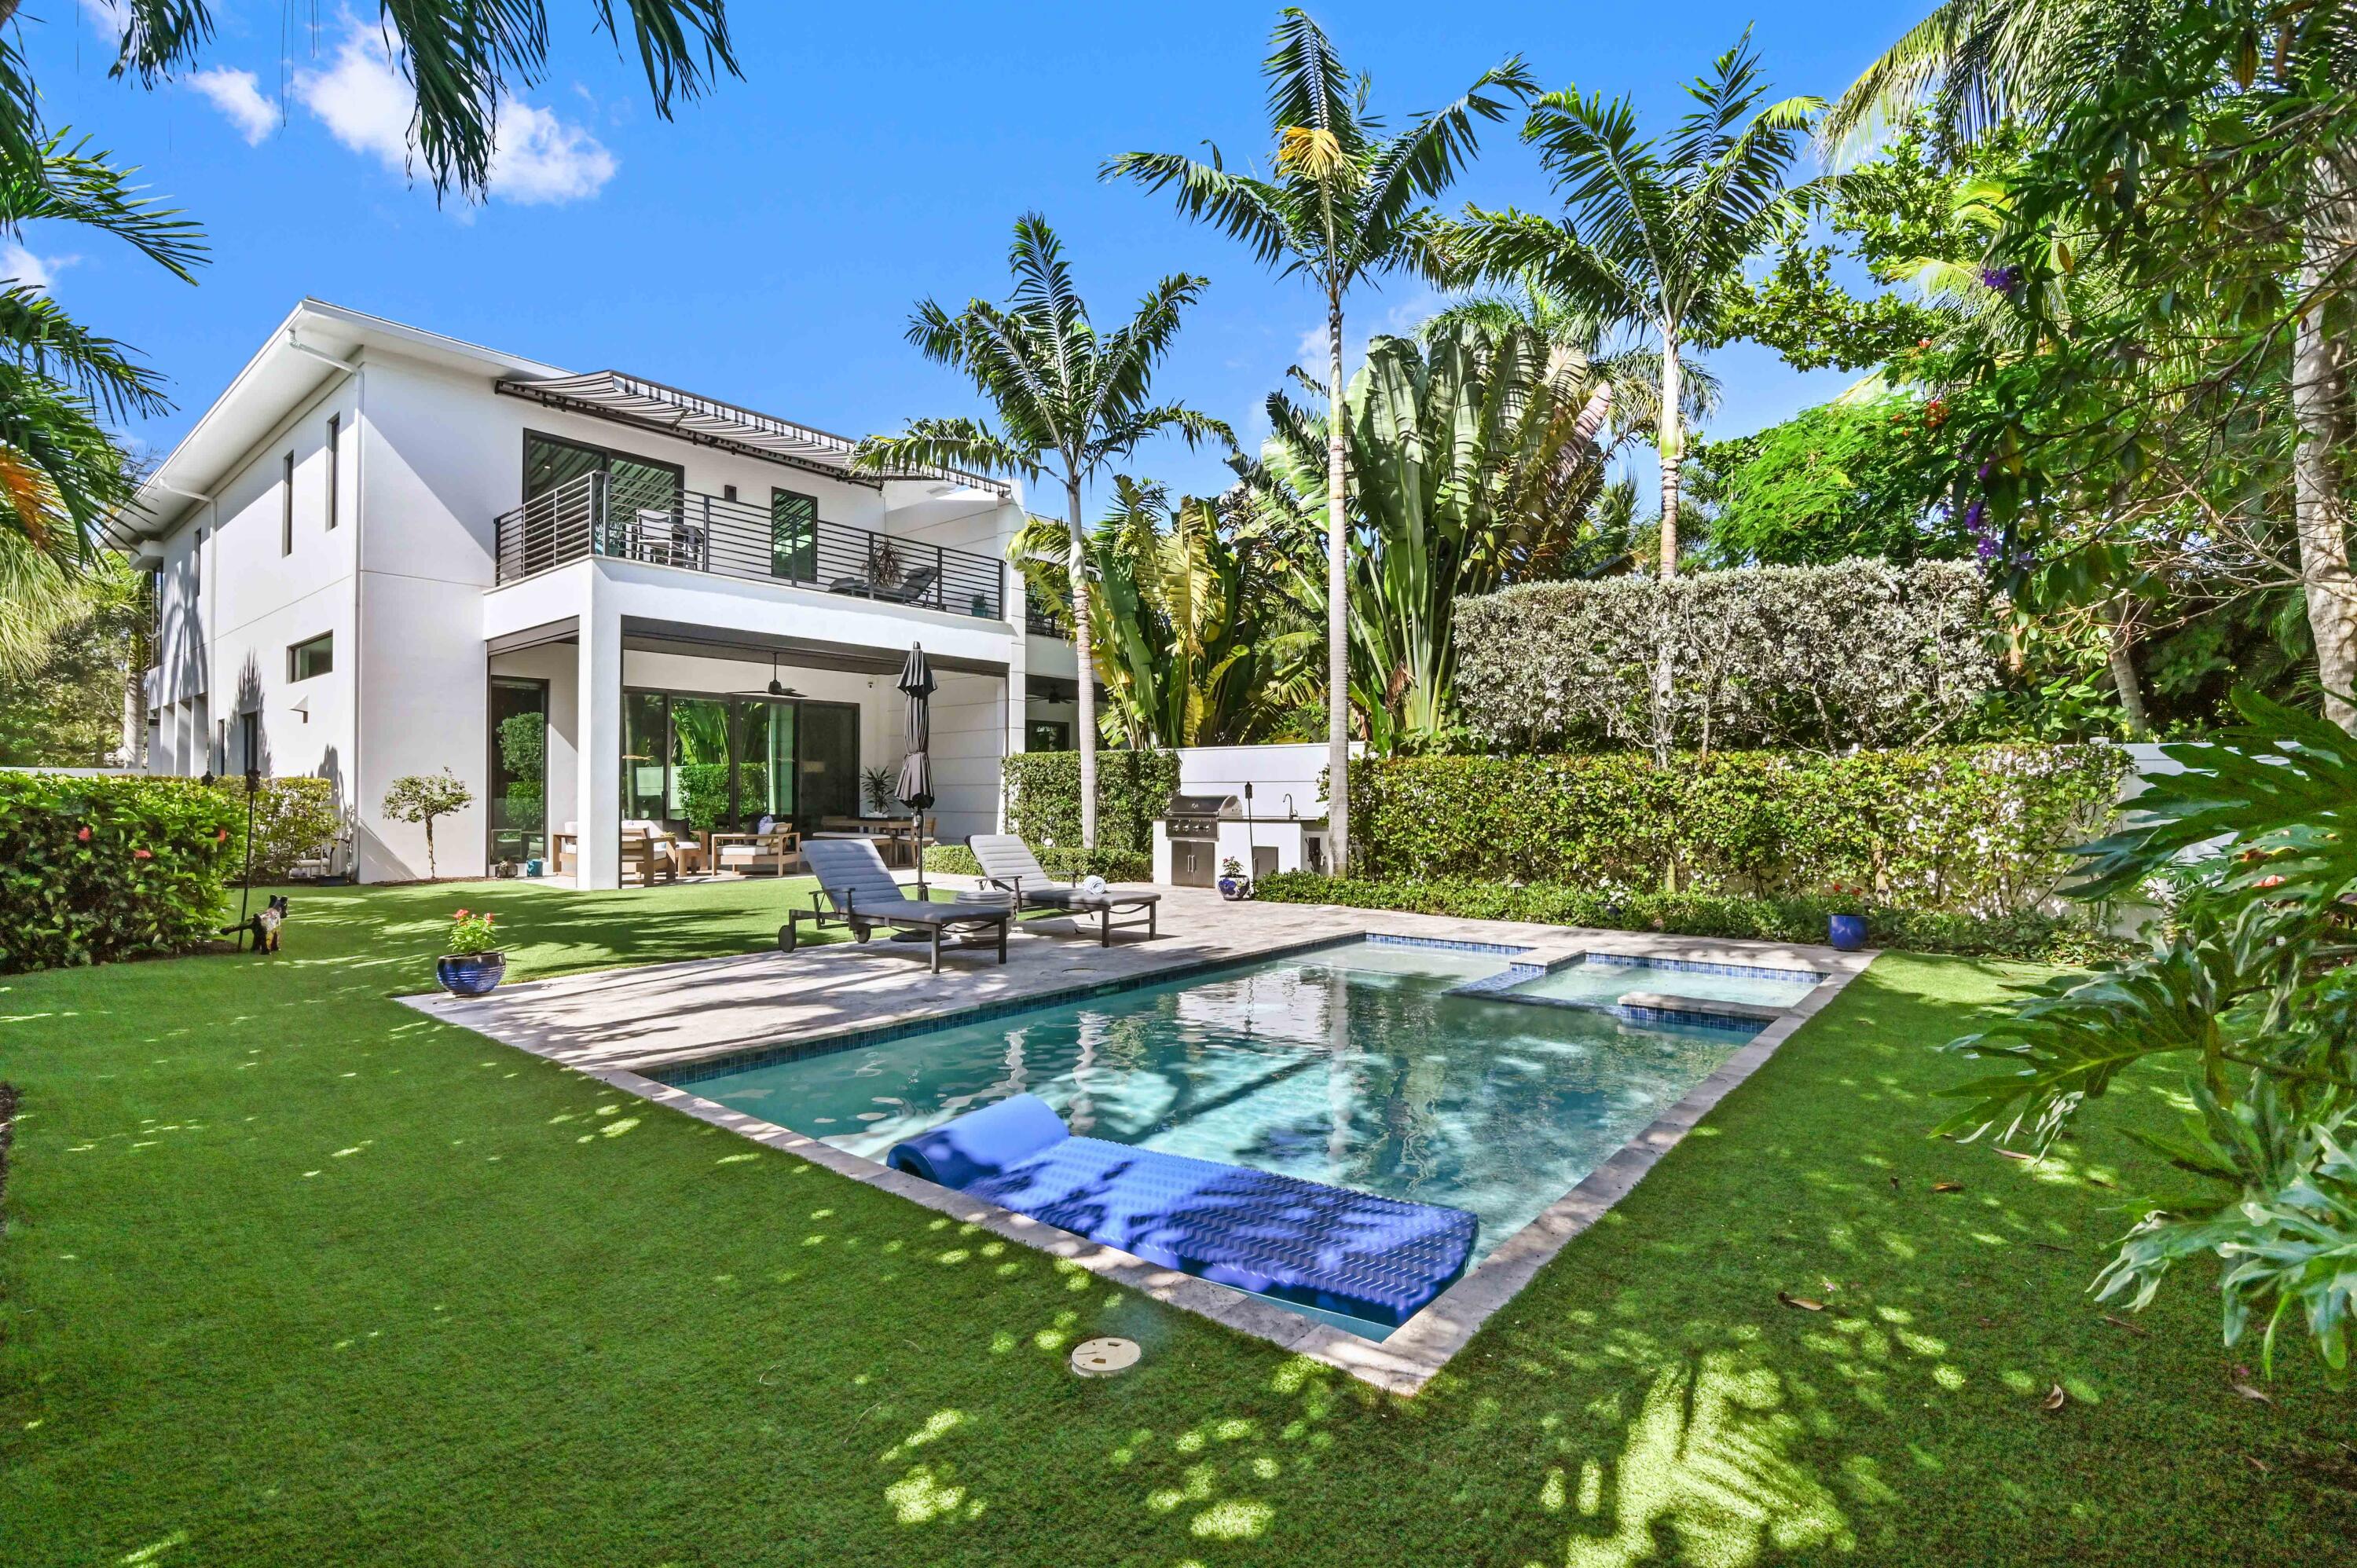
(586, 516)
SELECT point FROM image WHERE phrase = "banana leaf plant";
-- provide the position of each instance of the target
(1199, 642)
(2250, 984)
(1474, 460)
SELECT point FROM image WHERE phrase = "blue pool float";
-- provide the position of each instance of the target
(1379, 1259)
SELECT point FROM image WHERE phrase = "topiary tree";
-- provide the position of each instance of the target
(422, 797)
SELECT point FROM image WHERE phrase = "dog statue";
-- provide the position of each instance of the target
(263, 928)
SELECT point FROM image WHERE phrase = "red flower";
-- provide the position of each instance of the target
(221, 835)
(459, 915)
(83, 836)
(141, 854)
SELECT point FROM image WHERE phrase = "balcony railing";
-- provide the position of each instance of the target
(586, 516)
(1039, 617)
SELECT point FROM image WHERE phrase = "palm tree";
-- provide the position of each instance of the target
(1653, 234)
(1342, 202)
(1069, 402)
(463, 58)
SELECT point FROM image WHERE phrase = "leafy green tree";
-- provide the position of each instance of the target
(70, 639)
(1342, 203)
(1654, 235)
(1477, 457)
(1068, 402)
(1868, 477)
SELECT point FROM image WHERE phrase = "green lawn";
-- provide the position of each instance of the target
(296, 1276)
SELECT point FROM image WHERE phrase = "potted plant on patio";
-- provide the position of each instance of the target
(1233, 883)
(474, 962)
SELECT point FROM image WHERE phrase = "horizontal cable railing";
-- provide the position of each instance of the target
(590, 516)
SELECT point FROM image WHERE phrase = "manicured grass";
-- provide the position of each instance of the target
(296, 1276)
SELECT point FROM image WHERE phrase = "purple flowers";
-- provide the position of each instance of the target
(2005, 280)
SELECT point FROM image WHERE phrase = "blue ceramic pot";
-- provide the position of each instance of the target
(1846, 932)
(1233, 887)
(470, 974)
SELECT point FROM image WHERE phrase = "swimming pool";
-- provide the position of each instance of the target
(1355, 1065)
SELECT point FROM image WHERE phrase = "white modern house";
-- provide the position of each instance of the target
(590, 596)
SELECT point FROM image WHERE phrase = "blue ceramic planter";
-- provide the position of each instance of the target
(469, 974)
(1846, 932)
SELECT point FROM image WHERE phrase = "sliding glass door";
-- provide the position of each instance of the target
(706, 764)
(518, 794)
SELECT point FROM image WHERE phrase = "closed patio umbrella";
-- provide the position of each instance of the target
(915, 786)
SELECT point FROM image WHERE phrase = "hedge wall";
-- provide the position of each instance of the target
(2023, 934)
(1043, 797)
(1970, 830)
(95, 869)
(293, 818)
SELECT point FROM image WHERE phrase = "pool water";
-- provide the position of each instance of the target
(1353, 1065)
(1604, 981)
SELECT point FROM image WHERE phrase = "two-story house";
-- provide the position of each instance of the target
(592, 597)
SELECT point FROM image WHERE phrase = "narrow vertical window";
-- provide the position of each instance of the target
(335, 429)
(287, 505)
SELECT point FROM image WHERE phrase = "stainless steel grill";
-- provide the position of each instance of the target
(1192, 823)
(586, 516)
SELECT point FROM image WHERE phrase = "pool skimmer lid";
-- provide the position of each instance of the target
(1105, 1358)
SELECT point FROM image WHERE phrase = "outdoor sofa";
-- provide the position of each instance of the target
(1007, 863)
(855, 891)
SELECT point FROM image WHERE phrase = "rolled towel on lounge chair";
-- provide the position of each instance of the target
(1380, 1259)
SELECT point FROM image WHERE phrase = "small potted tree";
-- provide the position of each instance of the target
(422, 797)
(474, 962)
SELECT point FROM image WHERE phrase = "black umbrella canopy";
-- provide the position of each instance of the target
(915, 786)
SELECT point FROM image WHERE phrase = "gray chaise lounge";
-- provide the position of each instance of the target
(1007, 863)
(860, 893)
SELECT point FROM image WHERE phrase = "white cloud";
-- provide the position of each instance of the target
(21, 266)
(367, 105)
(238, 95)
(540, 158)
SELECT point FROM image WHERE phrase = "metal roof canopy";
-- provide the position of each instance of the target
(708, 421)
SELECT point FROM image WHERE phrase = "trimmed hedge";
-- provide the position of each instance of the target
(1043, 798)
(1066, 864)
(96, 869)
(2025, 934)
(1969, 829)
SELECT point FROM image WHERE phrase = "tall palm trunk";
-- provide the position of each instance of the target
(1077, 577)
(1671, 439)
(2318, 505)
(2120, 651)
(1338, 605)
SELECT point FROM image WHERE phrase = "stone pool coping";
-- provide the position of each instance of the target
(1418, 1349)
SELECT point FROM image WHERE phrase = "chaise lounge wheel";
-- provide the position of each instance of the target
(786, 934)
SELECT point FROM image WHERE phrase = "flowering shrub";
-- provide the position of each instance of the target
(97, 869)
(1975, 830)
(473, 932)
(1859, 653)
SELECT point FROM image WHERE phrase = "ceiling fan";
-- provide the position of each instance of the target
(777, 688)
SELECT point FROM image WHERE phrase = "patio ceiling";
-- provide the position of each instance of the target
(708, 421)
(665, 637)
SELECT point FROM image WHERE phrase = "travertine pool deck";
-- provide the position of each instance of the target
(621, 1026)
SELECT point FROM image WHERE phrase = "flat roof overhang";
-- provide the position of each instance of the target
(643, 636)
(662, 410)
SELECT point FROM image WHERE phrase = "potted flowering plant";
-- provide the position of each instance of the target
(1233, 883)
(474, 962)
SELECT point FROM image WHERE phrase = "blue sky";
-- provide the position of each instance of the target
(766, 246)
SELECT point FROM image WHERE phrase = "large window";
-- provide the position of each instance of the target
(519, 796)
(794, 536)
(707, 764)
(633, 484)
(315, 656)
